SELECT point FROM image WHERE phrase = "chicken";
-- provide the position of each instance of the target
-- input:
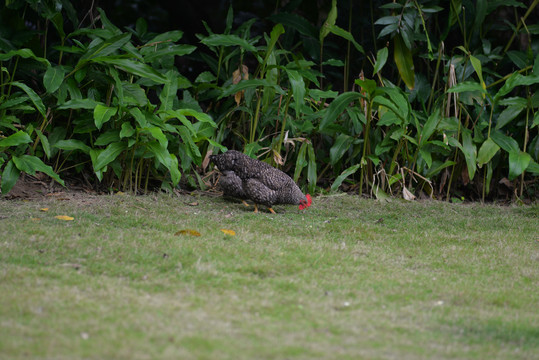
(232, 186)
(247, 178)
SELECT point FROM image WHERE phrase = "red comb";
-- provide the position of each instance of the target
(306, 204)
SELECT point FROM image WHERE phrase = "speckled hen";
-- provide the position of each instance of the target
(247, 178)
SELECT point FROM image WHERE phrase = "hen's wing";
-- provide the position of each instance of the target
(231, 184)
(259, 192)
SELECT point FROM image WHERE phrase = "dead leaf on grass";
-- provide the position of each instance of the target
(407, 195)
(64, 217)
(187, 232)
(229, 232)
(44, 209)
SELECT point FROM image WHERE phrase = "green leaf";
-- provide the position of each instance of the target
(337, 106)
(405, 63)
(397, 102)
(518, 162)
(44, 143)
(333, 62)
(72, 144)
(20, 137)
(346, 173)
(109, 154)
(134, 67)
(159, 152)
(455, 10)
(341, 145)
(13, 102)
(170, 36)
(127, 130)
(157, 134)
(108, 137)
(25, 54)
(140, 118)
(467, 86)
(469, 151)
(480, 14)
(153, 54)
(427, 156)
(430, 126)
(205, 77)
(533, 167)
(330, 21)
(381, 59)
(505, 142)
(386, 20)
(227, 40)
(436, 169)
(298, 90)
(513, 81)
(53, 77)
(10, 175)
(175, 174)
(94, 153)
(103, 48)
(296, 22)
(367, 85)
(200, 116)
(311, 168)
(102, 114)
(276, 32)
(133, 94)
(36, 100)
(345, 35)
(301, 162)
(250, 84)
(317, 94)
(508, 114)
(476, 64)
(168, 94)
(30, 164)
(87, 104)
(191, 147)
(487, 151)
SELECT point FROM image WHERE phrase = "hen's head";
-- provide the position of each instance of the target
(303, 204)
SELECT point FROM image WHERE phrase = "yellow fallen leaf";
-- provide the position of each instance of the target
(188, 232)
(229, 232)
(44, 209)
(64, 217)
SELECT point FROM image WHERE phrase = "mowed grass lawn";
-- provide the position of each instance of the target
(346, 279)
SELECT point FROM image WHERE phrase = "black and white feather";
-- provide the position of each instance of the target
(247, 178)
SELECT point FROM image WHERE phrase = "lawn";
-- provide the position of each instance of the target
(349, 278)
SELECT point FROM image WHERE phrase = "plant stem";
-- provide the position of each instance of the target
(347, 61)
(254, 123)
(283, 125)
(440, 48)
(365, 141)
(520, 23)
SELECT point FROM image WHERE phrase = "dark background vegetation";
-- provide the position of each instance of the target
(377, 117)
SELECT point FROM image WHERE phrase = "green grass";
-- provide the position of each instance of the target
(347, 279)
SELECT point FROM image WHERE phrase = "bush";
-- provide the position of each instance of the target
(452, 113)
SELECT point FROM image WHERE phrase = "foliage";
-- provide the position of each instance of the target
(442, 104)
(92, 106)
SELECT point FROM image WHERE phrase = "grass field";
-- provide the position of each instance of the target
(346, 279)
